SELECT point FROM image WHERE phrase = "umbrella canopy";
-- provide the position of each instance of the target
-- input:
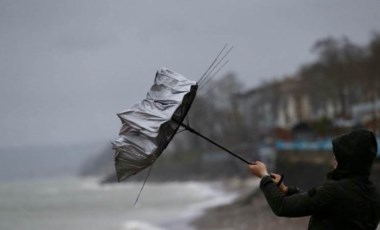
(148, 127)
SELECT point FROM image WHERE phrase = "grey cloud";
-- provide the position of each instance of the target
(67, 67)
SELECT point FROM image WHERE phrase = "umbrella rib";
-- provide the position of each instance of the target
(210, 78)
(215, 66)
(143, 185)
(216, 58)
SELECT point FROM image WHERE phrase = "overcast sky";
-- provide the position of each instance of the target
(67, 67)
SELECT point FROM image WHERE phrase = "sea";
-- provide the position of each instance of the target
(84, 203)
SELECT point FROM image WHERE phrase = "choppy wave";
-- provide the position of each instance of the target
(75, 202)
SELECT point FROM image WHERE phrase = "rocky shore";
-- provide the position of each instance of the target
(251, 211)
(248, 211)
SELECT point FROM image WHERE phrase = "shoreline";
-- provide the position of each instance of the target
(248, 211)
(225, 192)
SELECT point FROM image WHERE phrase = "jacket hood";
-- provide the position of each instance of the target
(355, 153)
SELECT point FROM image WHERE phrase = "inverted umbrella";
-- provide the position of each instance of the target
(149, 126)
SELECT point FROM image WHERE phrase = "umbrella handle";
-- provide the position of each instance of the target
(213, 142)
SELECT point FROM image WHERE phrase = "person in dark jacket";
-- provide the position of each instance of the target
(347, 200)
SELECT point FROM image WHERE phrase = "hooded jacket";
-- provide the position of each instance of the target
(347, 200)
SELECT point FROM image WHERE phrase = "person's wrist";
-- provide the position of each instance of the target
(284, 188)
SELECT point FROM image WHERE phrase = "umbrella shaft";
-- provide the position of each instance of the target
(213, 142)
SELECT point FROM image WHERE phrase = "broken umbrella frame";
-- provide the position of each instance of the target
(149, 126)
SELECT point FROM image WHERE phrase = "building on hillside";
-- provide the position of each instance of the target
(281, 105)
(275, 105)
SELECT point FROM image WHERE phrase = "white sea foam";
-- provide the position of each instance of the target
(209, 194)
(139, 225)
(76, 202)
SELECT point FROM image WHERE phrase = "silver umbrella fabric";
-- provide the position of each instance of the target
(148, 127)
